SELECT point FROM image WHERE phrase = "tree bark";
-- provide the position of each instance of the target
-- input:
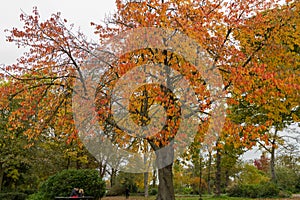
(165, 186)
(113, 176)
(272, 164)
(146, 186)
(68, 162)
(146, 175)
(164, 161)
(208, 173)
(102, 169)
(218, 174)
(227, 178)
(1, 176)
(154, 179)
(200, 179)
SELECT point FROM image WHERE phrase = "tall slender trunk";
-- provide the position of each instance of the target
(209, 173)
(78, 165)
(227, 178)
(102, 169)
(1, 176)
(154, 178)
(146, 185)
(218, 173)
(68, 162)
(272, 163)
(200, 179)
(146, 174)
(113, 176)
(272, 160)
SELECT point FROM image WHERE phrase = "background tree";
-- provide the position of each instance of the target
(274, 73)
(14, 161)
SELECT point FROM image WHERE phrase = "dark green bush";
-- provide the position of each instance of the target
(187, 190)
(287, 179)
(285, 194)
(13, 196)
(254, 190)
(36, 196)
(63, 182)
(116, 190)
(153, 191)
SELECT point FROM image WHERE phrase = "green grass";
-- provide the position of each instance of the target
(204, 197)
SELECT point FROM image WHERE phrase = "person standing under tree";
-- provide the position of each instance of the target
(127, 192)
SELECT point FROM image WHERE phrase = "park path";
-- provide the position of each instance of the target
(296, 196)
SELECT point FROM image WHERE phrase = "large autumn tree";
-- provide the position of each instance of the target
(43, 77)
(211, 24)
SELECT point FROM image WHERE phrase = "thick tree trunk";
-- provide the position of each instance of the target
(218, 174)
(165, 186)
(164, 161)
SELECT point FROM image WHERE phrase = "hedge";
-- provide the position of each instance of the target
(63, 182)
(13, 196)
(264, 190)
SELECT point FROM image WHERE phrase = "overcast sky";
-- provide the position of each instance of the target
(81, 13)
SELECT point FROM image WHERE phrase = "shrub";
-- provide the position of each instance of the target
(153, 191)
(187, 190)
(63, 182)
(13, 196)
(116, 190)
(287, 178)
(36, 196)
(254, 190)
(251, 175)
(285, 194)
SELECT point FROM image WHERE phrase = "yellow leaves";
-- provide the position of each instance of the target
(13, 174)
(295, 117)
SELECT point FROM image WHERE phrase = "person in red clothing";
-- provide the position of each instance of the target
(75, 192)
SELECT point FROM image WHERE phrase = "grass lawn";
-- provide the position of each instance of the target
(194, 198)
